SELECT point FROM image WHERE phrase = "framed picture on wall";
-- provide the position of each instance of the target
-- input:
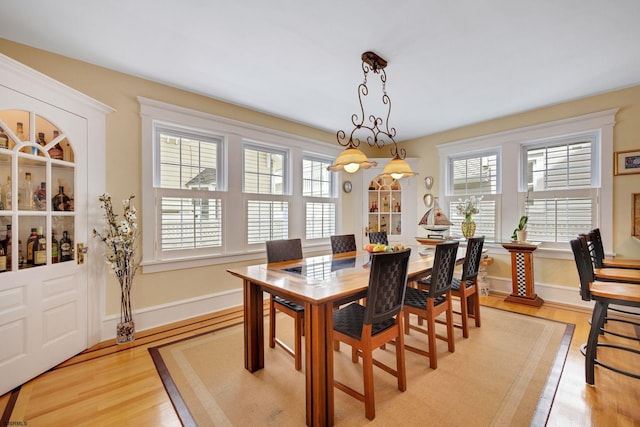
(636, 214)
(626, 162)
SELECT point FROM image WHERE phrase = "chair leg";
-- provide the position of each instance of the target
(367, 370)
(464, 314)
(450, 338)
(299, 326)
(597, 322)
(272, 322)
(431, 339)
(476, 308)
(401, 367)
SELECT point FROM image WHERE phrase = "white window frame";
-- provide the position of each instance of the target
(235, 133)
(331, 198)
(512, 169)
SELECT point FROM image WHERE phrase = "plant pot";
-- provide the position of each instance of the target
(468, 227)
(125, 332)
(522, 235)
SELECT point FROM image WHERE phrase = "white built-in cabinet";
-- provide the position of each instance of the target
(50, 307)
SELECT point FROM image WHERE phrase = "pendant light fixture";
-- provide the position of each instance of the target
(375, 132)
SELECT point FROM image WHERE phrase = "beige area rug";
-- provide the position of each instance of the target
(505, 374)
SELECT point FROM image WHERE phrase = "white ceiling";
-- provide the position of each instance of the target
(451, 62)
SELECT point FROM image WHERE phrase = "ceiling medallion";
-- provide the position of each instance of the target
(376, 132)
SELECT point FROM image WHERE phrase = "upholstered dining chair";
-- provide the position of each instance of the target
(378, 237)
(430, 303)
(604, 294)
(365, 328)
(343, 243)
(278, 251)
(466, 287)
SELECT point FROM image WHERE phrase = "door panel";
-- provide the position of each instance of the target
(43, 309)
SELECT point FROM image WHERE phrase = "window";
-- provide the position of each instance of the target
(477, 176)
(214, 189)
(264, 173)
(553, 172)
(561, 192)
(186, 180)
(320, 210)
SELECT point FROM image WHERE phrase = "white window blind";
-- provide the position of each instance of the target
(186, 180)
(560, 200)
(477, 176)
(317, 184)
(264, 173)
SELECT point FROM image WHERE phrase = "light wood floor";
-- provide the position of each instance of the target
(119, 385)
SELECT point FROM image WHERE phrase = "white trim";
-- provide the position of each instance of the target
(509, 143)
(234, 212)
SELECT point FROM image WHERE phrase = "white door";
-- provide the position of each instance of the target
(43, 309)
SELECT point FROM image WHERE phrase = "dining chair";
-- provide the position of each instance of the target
(429, 303)
(604, 294)
(378, 237)
(279, 251)
(343, 243)
(466, 287)
(607, 272)
(600, 260)
(365, 328)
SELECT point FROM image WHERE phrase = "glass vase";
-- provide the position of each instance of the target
(468, 228)
(125, 332)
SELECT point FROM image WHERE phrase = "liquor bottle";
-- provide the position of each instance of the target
(30, 244)
(7, 194)
(56, 151)
(60, 202)
(40, 248)
(42, 142)
(54, 248)
(26, 195)
(8, 247)
(20, 132)
(4, 139)
(3, 259)
(66, 247)
(40, 197)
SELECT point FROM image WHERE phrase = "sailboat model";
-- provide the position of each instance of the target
(435, 219)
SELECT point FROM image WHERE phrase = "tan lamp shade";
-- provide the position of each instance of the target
(350, 160)
(397, 168)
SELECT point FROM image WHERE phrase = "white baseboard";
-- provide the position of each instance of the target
(152, 317)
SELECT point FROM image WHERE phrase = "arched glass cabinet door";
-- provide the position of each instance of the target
(37, 181)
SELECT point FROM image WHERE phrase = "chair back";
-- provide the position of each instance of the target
(582, 257)
(387, 284)
(471, 264)
(283, 250)
(597, 248)
(443, 266)
(378, 237)
(343, 243)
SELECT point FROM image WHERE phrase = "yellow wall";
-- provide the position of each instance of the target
(626, 137)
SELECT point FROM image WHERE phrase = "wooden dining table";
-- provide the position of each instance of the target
(318, 283)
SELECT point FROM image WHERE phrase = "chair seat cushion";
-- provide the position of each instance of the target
(289, 304)
(418, 298)
(349, 320)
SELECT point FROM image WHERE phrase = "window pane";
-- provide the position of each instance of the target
(477, 175)
(559, 166)
(485, 220)
(321, 220)
(190, 223)
(188, 162)
(263, 171)
(316, 179)
(558, 219)
(267, 220)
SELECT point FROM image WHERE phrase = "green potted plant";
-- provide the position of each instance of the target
(520, 233)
